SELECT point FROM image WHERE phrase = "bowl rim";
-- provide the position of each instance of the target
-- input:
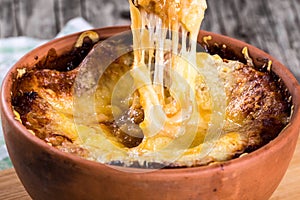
(292, 84)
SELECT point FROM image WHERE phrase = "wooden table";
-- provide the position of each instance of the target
(289, 189)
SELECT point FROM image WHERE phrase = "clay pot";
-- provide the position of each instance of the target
(47, 173)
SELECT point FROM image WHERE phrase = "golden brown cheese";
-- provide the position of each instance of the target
(175, 13)
(256, 112)
(176, 117)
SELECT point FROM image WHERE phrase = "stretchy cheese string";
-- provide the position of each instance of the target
(179, 128)
(160, 32)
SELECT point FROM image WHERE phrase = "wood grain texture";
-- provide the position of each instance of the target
(36, 18)
(106, 12)
(7, 19)
(66, 10)
(11, 187)
(271, 25)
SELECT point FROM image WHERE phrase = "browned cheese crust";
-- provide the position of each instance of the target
(258, 104)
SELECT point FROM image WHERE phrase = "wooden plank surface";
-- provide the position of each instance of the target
(11, 187)
(35, 18)
(7, 19)
(271, 25)
(289, 188)
(66, 10)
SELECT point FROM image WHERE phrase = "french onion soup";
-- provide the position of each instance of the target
(186, 108)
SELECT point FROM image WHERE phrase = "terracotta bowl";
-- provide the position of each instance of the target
(47, 173)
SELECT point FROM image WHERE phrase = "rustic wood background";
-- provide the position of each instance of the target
(272, 25)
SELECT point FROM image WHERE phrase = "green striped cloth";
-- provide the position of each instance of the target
(12, 49)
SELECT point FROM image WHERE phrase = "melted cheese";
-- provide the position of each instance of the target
(183, 125)
(159, 26)
(182, 129)
(168, 146)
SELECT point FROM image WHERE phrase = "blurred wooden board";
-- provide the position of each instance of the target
(289, 189)
(11, 187)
